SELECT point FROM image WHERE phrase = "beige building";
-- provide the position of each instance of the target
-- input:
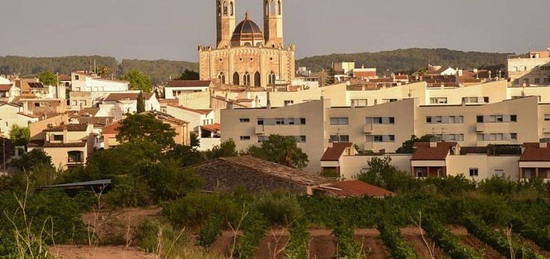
(244, 55)
(532, 69)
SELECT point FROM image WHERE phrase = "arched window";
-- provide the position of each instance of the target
(280, 8)
(273, 8)
(272, 78)
(221, 77)
(236, 80)
(231, 9)
(246, 79)
(257, 79)
(225, 11)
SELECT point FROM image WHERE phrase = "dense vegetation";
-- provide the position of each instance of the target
(158, 70)
(409, 60)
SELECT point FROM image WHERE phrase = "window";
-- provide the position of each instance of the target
(514, 118)
(383, 138)
(339, 138)
(438, 100)
(260, 122)
(289, 102)
(246, 79)
(474, 172)
(486, 99)
(302, 139)
(279, 121)
(359, 102)
(75, 157)
(245, 138)
(58, 137)
(547, 117)
(480, 119)
(498, 172)
(262, 139)
(244, 120)
(303, 121)
(76, 77)
(339, 121)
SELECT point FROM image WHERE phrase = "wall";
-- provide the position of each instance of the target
(485, 164)
(351, 166)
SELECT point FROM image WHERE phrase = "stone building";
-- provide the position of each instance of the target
(244, 55)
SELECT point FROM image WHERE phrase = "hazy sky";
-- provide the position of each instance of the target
(172, 29)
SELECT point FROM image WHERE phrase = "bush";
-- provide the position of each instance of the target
(497, 240)
(529, 231)
(399, 249)
(279, 209)
(195, 208)
(211, 231)
(447, 241)
(347, 246)
(254, 228)
(146, 235)
(299, 241)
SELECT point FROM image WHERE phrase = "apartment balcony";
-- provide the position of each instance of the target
(370, 129)
(260, 130)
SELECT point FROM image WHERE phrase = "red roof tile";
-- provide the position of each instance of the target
(423, 151)
(535, 153)
(111, 129)
(5, 88)
(216, 127)
(354, 188)
(189, 83)
(335, 152)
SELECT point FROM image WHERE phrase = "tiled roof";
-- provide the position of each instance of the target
(64, 77)
(36, 85)
(189, 83)
(75, 144)
(5, 88)
(335, 152)
(111, 129)
(423, 150)
(277, 170)
(354, 188)
(126, 96)
(216, 127)
(535, 153)
(68, 127)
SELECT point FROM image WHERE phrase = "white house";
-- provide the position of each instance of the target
(10, 115)
(201, 122)
(176, 88)
(117, 104)
(89, 89)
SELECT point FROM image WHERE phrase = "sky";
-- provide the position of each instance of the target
(172, 29)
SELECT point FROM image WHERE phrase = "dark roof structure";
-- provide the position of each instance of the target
(335, 152)
(189, 83)
(353, 188)
(247, 30)
(68, 127)
(535, 152)
(425, 150)
(116, 97)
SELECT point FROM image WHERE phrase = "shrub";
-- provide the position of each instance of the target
(497, 240)
(146, 235)
(195, 208)
(347, 246)
(399, 249)
(447, 241)
(529, 231)
(279, 209)
(299, 241)
(211, 231)
(254, 228)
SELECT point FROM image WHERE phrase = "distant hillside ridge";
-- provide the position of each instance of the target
(158, 70)
(410, 60)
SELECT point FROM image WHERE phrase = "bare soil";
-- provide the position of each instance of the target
(467, 239)
(104, 252)
(373, 246)
(425, 247)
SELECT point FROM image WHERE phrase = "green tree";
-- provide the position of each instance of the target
(408, 146)
(138, 81)
(225, 149)
(48, 78)
(29, 161)
(186, 155)
(189, 75)
(20, 136)
(145, 127)
(282, 150)
(140, 103)
(195, 141)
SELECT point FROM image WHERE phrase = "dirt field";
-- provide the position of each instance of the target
(86, 252)
(413, 236)
(373, 247)
(475, 243)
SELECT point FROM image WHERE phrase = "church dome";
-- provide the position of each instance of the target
(247, 33)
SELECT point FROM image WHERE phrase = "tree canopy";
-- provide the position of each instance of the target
(189, 75)
(282, 150)
(408, 146)
(48, 78)
(145, 127)
(34, 159)
(138, 81)
(20, 136)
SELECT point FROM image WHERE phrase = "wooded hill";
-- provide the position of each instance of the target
(410, 60)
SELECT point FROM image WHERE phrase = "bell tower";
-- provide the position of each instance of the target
(273, 23)
(225, 22)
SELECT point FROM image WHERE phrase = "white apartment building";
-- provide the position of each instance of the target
(88, 89)
(202, 122)
(116, 105)
(532, 69)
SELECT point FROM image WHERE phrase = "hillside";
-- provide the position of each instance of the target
(408, 60)
(158, 70)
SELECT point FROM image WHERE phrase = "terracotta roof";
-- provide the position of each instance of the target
(35, 85)
(364, 73)
(216, 127)
(5, 88)
(64, 77)
(535, 153)
(199, 111)
(126, 96)
(354, 188)
(423, 150)
(68, 127)
(75, 144)
(335, 152)
(189, 83)
(277, 170)
(111, 129)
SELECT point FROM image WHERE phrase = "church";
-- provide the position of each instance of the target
(246, 56)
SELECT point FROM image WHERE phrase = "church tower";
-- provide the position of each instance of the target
(273, 23)
(225, 22)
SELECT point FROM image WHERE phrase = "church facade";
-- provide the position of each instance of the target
(244, 55)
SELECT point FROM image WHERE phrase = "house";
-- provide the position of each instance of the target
(197, 118)
(108, 136)
(255, 175)
(430, 159)
(176, 88)
(331, 159)
(8, 92)
(87, 89)
(535, 162)
(42, 107)
(69, 145)
(117, 104)
(11, 115)
(353, 188)
(532, 69)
